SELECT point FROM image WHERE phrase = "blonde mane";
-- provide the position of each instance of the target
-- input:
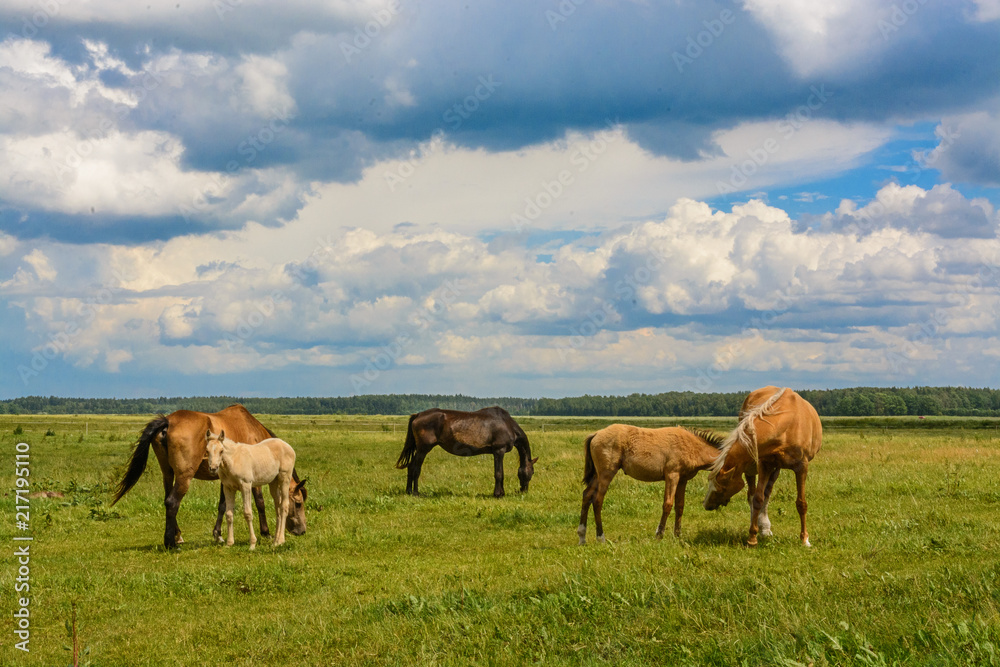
(745, 433)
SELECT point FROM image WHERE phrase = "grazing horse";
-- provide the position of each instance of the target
(673, 455)
(486, 431)
(777, 429)
(178, 440)
(245, 467)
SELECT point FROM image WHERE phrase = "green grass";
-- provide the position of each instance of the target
(904, 568)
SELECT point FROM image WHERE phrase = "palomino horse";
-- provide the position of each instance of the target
(242, 467)
(777, 429)
(178, 440)
(673, 455)
(486, 431)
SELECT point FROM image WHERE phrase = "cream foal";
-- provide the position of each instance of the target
(242, 466)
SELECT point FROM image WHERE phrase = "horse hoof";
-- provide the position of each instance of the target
(601, 539)
(806, 542)
(766, 532)
(252, 547)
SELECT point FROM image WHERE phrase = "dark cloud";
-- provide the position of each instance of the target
(331, 100)
(969, 151)
(98, 227)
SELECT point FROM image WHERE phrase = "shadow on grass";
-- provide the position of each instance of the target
(198, 545)
(433, 494)
(718, 537)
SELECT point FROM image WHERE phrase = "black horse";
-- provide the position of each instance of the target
(486, 431)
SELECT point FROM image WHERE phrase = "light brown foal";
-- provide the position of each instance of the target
(672, 455)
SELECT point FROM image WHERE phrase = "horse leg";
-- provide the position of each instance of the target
(230, 494)
(800, 500)
(282, 502)
(279, 533)
(669, 489)
(762, 520)
(172, 504)
(168, 485)
(217, 531)
(756, 504)
(247, 493)
(604, 480)
(258, 500)
(751, 488)
(588, 499)
(413, 470)
(678, 506)
(498, 474)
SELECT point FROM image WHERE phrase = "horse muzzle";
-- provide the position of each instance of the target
(711, 506)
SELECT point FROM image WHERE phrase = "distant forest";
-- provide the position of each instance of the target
(856, 402)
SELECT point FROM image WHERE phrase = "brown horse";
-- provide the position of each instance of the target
(777, 429)
(178, 440)
(486, 431)
(673, 455)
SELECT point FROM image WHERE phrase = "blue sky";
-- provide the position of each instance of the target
(516, 198)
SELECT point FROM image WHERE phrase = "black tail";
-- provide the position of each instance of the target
(589, 470)
(139, 455)
(409, 447)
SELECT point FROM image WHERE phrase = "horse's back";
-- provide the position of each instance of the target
(260, 463)
(791, 423)
(642, 453)
(281, 451)
(236, 421)
(478, 429)
(239, 424)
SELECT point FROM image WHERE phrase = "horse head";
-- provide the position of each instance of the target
(296, 521)
(524, 474)
(722, 486)
(213, 448)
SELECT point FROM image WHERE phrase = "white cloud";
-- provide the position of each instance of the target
(40, 263)
(742, 289)
(987, 10)
(942, 211)
(816, 38)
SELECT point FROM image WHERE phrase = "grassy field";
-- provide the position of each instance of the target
(905, 522)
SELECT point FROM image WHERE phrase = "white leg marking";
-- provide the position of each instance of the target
(764, 523)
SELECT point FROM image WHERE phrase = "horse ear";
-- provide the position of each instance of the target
(222, 435)
(534, 460)
(208, 434)
(298, 487)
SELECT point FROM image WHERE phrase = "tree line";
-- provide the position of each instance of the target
(854, 402)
